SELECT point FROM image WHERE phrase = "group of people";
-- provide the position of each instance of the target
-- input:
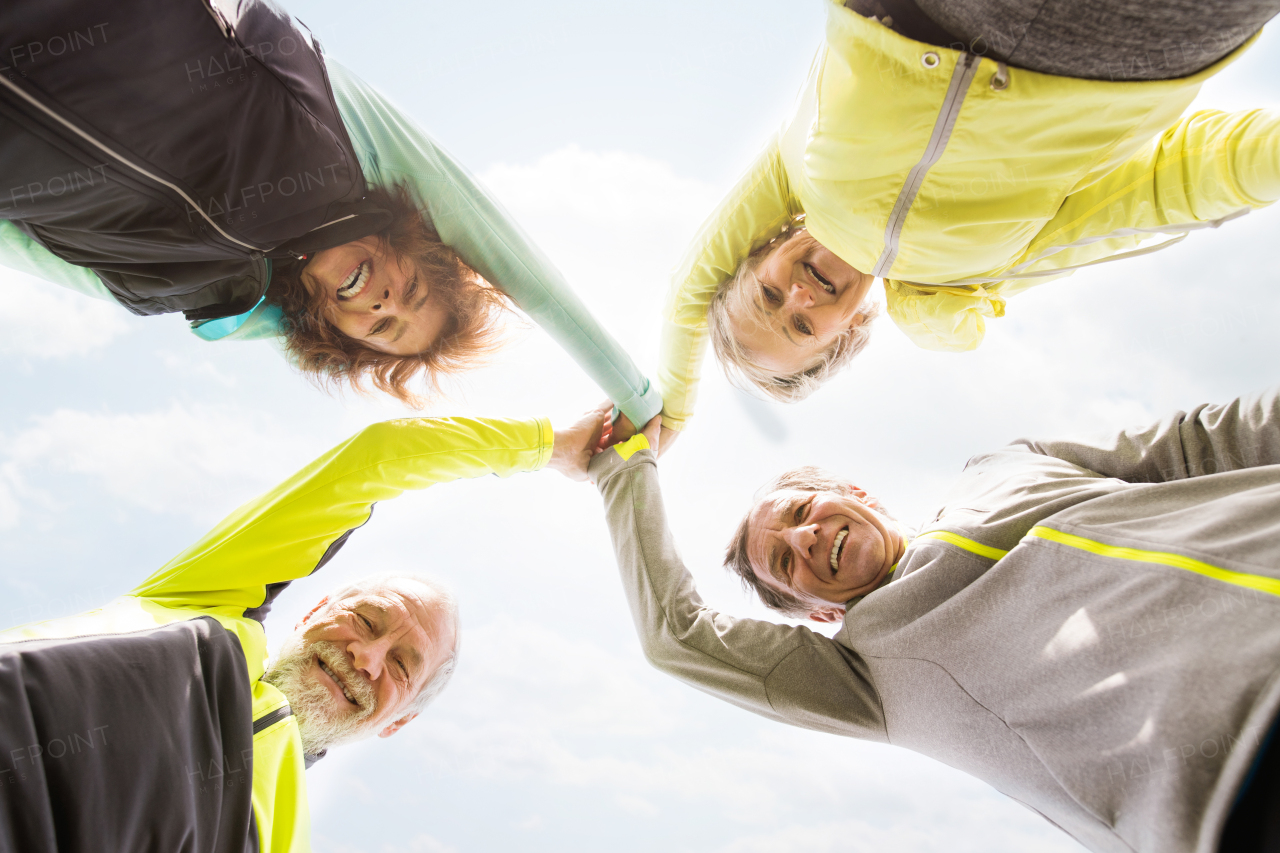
(958, 152)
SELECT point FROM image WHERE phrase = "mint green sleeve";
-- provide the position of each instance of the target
(20, 252)
(392, 148)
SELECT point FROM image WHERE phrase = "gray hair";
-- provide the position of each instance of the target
(739, 364)
(804, 479)
(439, 679)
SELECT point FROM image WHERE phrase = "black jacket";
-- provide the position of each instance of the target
(173, 145)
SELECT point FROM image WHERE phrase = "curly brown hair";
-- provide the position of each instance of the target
(470, 335)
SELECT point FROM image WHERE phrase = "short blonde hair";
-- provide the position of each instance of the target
(738, 362)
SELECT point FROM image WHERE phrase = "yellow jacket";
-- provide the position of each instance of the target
(961, 182)
(237, 568)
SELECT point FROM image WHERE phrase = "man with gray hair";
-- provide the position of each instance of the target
(1091, 627)
(157, 723)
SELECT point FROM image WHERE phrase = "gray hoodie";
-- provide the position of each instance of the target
(1091, 627)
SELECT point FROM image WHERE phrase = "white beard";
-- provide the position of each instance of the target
(319, 722)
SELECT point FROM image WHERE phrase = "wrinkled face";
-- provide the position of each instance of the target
(823, 547)
(355, 663)
(807, 296)
(373, 297)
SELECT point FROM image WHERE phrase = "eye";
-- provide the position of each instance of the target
(411, 289)
(404, 670)
(380, 327)
(365, 620)
(802, 511)
(785, 562)
(771, 295)
(802, 327)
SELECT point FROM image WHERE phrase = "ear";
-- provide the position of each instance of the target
(312, 612)
(396, 726)
(827, 614)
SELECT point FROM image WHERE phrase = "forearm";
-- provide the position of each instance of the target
(743, 661)
(284, 534)
(1244, 433)
(752, 213)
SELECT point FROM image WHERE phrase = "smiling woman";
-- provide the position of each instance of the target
(387, 306)
(181, 190)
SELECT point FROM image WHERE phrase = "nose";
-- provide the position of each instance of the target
(801, 538)
(800, 296)
(368, 657)
(383, 303)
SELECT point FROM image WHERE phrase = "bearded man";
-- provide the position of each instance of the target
(155, 723)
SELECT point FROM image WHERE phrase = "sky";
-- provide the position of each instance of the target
(609, 131)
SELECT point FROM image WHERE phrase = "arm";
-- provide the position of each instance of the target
(1244, 433)
(288, 532)
(754, 211)
(788, 674)
(393, 149)
(1207, 168)
(21, 252)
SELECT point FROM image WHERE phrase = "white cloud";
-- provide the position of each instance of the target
(192, 460)
(41, 320)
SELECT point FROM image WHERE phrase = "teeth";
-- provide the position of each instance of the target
(835, 549)
(337, 681)
(355, 282)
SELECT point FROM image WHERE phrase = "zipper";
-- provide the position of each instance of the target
(17, 90)
(270, 718)
(963, 75)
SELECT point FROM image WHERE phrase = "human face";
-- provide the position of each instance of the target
(361, 659)
(374, 297)
(823, 547)
(806, 297)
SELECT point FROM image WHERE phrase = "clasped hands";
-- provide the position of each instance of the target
(575, 445)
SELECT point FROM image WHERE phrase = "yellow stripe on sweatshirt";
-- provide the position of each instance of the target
(1163, 558)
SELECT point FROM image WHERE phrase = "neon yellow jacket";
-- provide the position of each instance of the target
(284, 535)
(914, 163)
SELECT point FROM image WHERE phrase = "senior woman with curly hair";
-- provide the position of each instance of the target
(205, 157)
(962, 151)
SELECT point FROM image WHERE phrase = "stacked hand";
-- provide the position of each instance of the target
(574, 446)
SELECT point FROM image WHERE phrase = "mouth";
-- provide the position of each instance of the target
(355, 281)
(823, 282)
(336, 680)
(837, 546)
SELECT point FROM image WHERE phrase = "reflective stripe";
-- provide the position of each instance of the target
(960, 542)
(1176, 561)
(942, 127)
(96, 144)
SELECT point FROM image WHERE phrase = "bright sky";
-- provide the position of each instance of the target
(609, 130)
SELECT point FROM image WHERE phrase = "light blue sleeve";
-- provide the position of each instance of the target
(392, 148)
(20, 252)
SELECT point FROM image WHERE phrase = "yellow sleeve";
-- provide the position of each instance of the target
(755, 211)
(1207, 167)
(945, 319)
(283, 534)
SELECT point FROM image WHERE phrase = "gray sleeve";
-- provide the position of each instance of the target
(785, 673)
(1244, 433)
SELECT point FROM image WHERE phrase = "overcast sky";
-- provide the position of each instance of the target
(609, 130)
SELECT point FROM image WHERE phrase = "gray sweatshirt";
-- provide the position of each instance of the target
(1091, 627)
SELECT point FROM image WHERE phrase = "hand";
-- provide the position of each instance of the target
(653, 431)
(667, 438)
(623, 429)
(572, 449)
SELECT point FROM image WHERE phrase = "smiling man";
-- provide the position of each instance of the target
(1091, 627)
(156, 722)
